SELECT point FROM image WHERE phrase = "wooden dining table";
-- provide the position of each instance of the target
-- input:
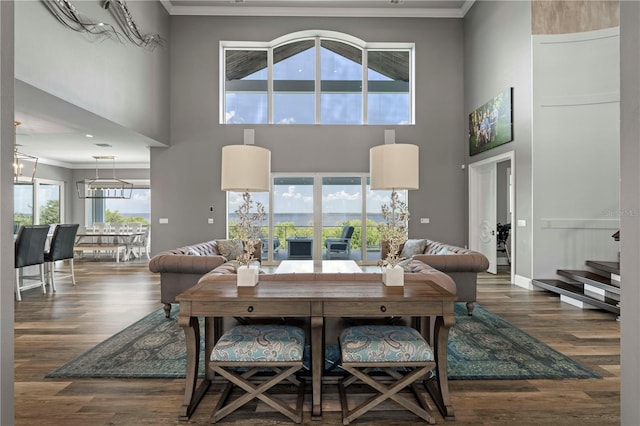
(107, 240)
(428, 303)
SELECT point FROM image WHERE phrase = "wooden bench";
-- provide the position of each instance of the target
(116, 247)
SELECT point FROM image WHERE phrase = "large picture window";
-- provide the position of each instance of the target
(113, 210)
(317, 78)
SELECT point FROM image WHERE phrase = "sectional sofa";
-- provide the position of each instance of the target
(461, 264)
(181, 268)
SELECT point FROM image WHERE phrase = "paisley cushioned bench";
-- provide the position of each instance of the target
(368, 351)
(278, 348)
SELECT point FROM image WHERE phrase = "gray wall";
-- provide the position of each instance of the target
(186, 176)
(497, 52)
(6, 215)
(576, 146)
(115, 80)
(630, 206)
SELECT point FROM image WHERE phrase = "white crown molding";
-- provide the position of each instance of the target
(350, 12)
(466, 6)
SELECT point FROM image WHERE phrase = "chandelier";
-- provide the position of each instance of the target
(104, 187)
(19, 157)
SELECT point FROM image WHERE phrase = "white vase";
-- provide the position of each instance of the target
(393, 276)
(248, 275)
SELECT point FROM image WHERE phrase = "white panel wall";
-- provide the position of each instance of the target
(576, 146)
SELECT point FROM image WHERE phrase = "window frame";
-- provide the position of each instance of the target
(35, 208)
(318, 36)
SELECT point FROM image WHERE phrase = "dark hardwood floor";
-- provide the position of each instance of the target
(51, 330)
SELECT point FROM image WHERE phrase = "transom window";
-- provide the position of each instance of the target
(317, 78)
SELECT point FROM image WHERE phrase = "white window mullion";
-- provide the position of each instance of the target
(318, 81)
(270, 86)
(365, 86)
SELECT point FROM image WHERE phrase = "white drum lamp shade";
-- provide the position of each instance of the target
(394, 166)
(245, 168)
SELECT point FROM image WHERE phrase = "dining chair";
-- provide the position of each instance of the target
(61, 249)
(246, 350)
(140, 242)
(29, 250)
(135, 226)
(375, 354)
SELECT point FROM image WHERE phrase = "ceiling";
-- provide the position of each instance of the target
(56, 131)
(346, 8)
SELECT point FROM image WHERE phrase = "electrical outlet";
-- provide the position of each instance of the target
(163, 220)
(424, 220)
(210, 220)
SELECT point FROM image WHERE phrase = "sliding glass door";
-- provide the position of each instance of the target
(342, 217)
(293, 218)
(310, 214)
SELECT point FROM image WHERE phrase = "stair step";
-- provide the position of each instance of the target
(610, 267)
(576, 291)
(592, 279)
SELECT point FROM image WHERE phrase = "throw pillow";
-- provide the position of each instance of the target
(193, 252)
(406, 265)
(444, 251)
(230, 249)
(412, 247)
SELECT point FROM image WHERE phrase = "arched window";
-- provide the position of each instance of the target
(317, 77)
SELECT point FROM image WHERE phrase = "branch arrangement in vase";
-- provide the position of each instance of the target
(394, 229)
(249, 227)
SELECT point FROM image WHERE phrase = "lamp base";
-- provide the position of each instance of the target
(393, 276)
(247, 275)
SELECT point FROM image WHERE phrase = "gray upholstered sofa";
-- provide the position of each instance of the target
(181, 268)
(459, 263)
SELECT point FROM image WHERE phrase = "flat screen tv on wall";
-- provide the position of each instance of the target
(491, 124)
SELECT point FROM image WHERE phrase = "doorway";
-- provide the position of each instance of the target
(491, 210)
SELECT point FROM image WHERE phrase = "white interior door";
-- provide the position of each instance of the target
(483, 212)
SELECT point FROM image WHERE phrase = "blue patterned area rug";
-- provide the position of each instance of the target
(483, 346)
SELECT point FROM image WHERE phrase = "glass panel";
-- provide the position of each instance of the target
(341, 83)
(341, 207)
(22, 204)
(49, 204)
(375, 200)
(293, 217)
(246, 86)
(135, 209)
(389, 100)
(294, 74)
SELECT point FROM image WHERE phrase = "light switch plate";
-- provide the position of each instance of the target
(163, 220)
(522, 223)
(424, 220)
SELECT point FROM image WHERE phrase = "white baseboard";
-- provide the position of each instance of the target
(523, 282)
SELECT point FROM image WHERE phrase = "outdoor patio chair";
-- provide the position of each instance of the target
(340, 247)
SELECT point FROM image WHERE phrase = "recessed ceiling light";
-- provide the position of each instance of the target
(103, 145)
(88, 135)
